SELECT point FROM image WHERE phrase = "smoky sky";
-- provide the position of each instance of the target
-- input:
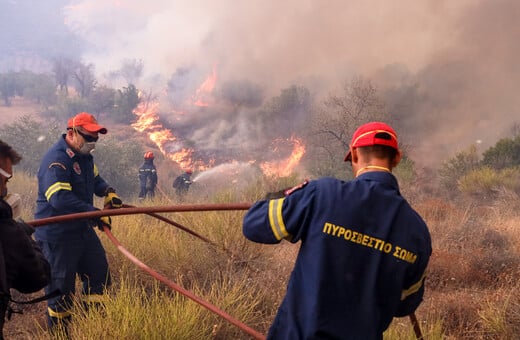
(446, 69)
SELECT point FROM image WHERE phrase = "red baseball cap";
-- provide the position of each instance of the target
(373, 133)
(86, 121)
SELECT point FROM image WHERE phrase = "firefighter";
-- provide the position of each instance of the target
(22, 264)
(147, 176)
(363, 251)
(67, 181)
(182, 183)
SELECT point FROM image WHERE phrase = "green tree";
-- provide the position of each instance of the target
(289, 109)
(454, 168)
(8, 86)
(505, 154)
(126, 100)
(41, 88)
(101, 100)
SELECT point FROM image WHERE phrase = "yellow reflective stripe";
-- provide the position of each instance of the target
(95, 298)
(96, 171)
(58, 315)
(57, 187)
(276, 220)
(413, 288)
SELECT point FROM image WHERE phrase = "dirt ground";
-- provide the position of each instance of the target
(25, 326)
(19, 107)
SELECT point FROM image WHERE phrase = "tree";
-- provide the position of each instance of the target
(84, 78)
(102, 99)
(41, 88)
(505, 154)
(126, 101)
(63, 69)
(454, 168)
(8, 86)
(332, 126)
(286, 112)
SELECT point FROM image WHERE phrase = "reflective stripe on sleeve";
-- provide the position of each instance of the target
(96, 171)
(276, 220)
(413, 288)
(57, 187)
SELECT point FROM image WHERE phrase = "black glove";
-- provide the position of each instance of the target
(112, 200)
(284, 192)
(104, 221)
(275, 195)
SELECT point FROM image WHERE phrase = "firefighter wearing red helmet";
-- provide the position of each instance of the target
(147, 176)
(68, 179)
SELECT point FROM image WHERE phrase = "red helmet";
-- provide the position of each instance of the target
(148, 155)
(189, 171)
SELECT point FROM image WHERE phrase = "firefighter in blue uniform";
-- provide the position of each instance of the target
(363, 253)
(147, 176)
(182, 183)
(67, 181)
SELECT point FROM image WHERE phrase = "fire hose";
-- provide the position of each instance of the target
(152, 211)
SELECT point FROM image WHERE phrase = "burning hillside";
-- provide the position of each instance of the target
(205, 132)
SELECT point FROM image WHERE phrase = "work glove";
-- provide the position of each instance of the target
(104, 221)
(112, 200)
(275, 195)
(284, 192)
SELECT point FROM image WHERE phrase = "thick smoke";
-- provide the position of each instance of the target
(446, 69)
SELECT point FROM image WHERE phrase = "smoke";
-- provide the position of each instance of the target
(446, 69)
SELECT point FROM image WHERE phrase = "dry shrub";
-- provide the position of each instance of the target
(458, 312)
(436, 211)
(446, 270)
(500, 316)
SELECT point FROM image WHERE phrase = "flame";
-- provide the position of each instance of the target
(205, 89)
(148, 122)
(285, 167)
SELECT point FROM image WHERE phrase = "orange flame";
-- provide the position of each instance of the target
(285, 167)
(201, 95)
(148, 122)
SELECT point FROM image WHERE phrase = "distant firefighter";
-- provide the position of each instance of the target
(147, 176)
(182, 183)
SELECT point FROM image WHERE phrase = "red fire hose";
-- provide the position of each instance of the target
(181, 290)
(152, 211)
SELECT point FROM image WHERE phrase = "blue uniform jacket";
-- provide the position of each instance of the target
(362, 259)
(67, 182)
